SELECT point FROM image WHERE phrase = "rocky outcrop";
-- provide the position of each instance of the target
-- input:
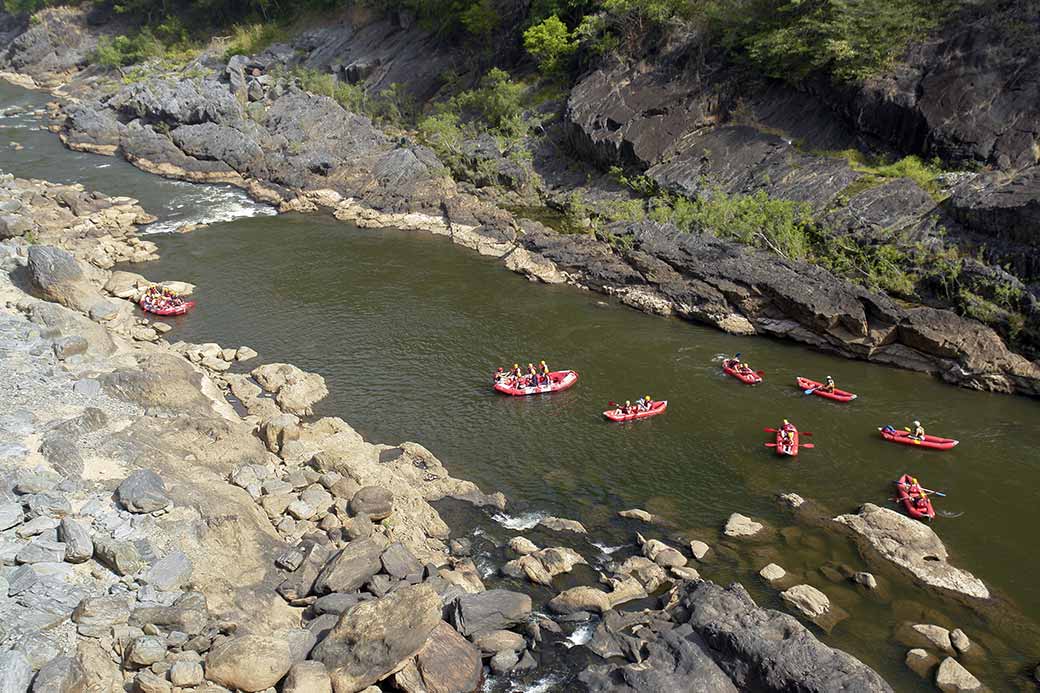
(720, 640)
(747, 291)
(912, 546)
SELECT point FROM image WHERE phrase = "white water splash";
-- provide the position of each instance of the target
(525, 521)
(581, 635)
(607, 550)
(542, 685)
(209, 204)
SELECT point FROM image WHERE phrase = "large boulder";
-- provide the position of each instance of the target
(56, 276)
(580, 598)
(61, 675)
(249, 663)
(143, 492)
(952, 677)
(762, 649)
(911, 545)
(295, 390)
(448, 663)
(352, 566)
(490, 610)
(15, 672)
(373, 638)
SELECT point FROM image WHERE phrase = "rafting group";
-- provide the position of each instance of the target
(536, 380)
(163, 301)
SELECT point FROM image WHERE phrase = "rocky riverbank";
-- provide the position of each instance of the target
(246, 122)
(171, 522)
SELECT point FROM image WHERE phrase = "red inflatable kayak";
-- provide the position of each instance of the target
(655, 409)
(789, 448)
(925, 512)
(749, 378)
(180, 309)
(934, 442)
(837, 395)
(558, 380)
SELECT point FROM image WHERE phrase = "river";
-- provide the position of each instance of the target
(406, 328)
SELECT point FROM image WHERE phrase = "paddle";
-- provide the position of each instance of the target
(808, 445)
(927, 490)
(802, 433)
(811, 390)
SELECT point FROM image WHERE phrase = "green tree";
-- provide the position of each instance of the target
(550, 43)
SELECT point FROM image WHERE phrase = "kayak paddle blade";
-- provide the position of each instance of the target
(770, 430)
(808, 445)
(809, 391)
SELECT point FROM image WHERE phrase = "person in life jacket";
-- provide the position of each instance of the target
(917, 431)
(785, 434)
(516, 373)
(532, 374)
(500, 374)
(627, 409)
(544, 369)
(828, 386)
(733, 363)
(644, 403)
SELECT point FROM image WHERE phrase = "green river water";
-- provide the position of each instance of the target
(406, 328)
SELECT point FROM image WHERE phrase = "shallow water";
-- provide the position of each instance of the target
(406, 327)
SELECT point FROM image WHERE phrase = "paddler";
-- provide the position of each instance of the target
(917, 431)
(532, 374)
(545, 371)
(644, 404)
(500, 374)
(828, 386)
(627, 409)
(733, 363)
(785, 435)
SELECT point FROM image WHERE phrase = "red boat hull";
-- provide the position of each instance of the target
(655, 409)
(837, 395)
(749, 378)
(933, 442)
(558, 380)
(172, 310)
(903, 489)
(784, 449)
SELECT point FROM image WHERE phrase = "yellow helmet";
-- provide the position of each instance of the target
(541, 363)
(647, 398)
(786, 422)
(516, 365)
(628, 402)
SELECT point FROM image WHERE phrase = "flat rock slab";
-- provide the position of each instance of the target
(741, 526)
(913, 546)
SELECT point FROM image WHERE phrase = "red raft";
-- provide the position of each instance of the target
(558, 380)
(934, 442)
(749, 378)
(179, 309)
(788, 448)
(904, 487)
(655, 409)
(837, 395)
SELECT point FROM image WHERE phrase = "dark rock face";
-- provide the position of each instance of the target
(766, 649)
(739, 289)
(718, 639)
(49, 48)
(491, 610)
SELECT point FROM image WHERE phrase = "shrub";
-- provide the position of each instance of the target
(250, 39)
(498, 101)
(443, 134)
(550, 43)
(128, 50)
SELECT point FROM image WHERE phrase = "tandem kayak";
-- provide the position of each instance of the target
(558, 380)
(919, 512)
(837, 395)
(179, 309)
(788, 448)
(934, 442)
(749, 378)
(655, 409)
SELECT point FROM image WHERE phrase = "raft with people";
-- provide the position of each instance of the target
(917, 437)
(825, 389)
(914, 498)
(741, 371)
(642, 409)
(535, 381)
(787, 440)
(162, 301)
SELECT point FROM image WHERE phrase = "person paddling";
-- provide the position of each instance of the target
(545, 372)
(532, 374)
(828, 386)
(500, 374)
(644, 404)
(516, 373)
(917, 431)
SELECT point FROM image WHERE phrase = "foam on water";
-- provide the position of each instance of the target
(525, 521)
(607, 549)
(206, 204)
(581, 635)
(542, 685)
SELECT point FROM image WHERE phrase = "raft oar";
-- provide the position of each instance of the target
(928, 491)
(801, 433)
(810, 390)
